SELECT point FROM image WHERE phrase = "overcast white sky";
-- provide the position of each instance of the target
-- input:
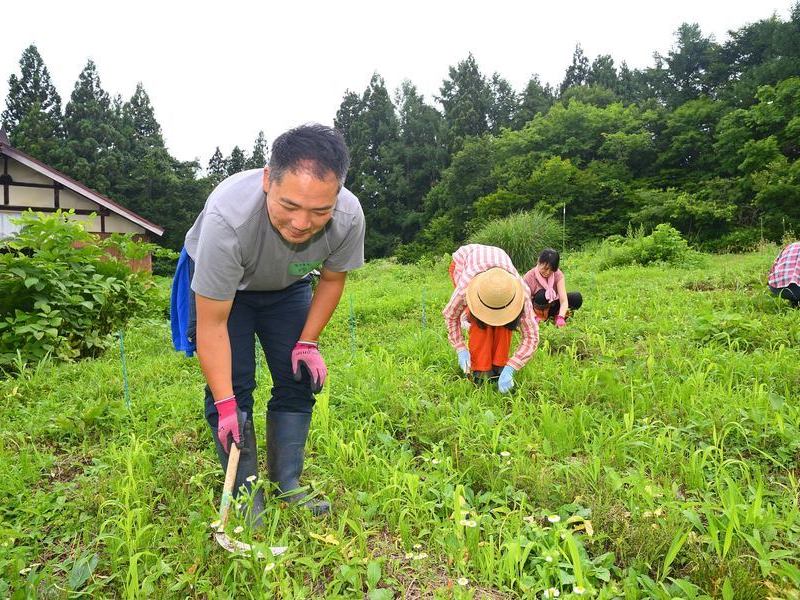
(219, 72)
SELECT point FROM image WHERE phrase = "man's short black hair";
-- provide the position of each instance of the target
(550, 257)
(322, 147)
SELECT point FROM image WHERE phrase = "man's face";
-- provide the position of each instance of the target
(300, 204)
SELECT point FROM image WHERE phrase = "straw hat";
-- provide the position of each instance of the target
(495, 296)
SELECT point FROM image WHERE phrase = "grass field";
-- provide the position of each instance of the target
(649, 450)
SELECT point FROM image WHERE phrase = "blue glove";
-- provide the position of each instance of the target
(506, 381)
(463, 360)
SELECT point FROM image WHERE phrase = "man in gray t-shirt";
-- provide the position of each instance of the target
(256, 242)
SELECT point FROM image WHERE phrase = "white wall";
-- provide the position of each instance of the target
(45, 198)
(7, 228)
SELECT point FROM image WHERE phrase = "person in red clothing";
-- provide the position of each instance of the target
(549, 291)
(496, 301)
(784, 276)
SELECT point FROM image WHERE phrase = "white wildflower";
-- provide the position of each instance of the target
(578, 590)
(462, 581)
(238, 529)
(554, 518)
(551, 593)
(251, 478)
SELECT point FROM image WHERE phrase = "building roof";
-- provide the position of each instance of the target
(75, 186)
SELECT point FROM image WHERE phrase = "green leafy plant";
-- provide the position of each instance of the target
(62, 292)
(664, 245)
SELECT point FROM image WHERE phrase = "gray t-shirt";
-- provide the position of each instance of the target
(235, 247)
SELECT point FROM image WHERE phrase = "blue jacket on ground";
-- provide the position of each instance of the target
(180, 306)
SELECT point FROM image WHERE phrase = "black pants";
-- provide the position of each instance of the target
(791, 293)
(276, 319)
(574, 299)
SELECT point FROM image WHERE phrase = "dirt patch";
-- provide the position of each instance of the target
(415, 578)
(68, 467)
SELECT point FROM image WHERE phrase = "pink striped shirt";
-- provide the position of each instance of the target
(470, 260)
(786, 268)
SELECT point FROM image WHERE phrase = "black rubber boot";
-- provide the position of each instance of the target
(286, 442)
(248, 466)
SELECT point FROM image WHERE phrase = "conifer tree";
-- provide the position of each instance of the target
(258, 158)
(237, 161)
(217, 170)
(32, 87)
(504, 104)
(467, 100)
(536, 98)
(578, 72)
(92, 129)
(370, 127)
(139, 115)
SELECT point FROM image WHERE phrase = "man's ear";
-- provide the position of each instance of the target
(266, 180)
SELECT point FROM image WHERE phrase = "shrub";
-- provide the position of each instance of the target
(663, 245)
(61, 293)
(522, 236)
(741, 240)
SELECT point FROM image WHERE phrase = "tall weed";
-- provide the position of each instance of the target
(522, 236)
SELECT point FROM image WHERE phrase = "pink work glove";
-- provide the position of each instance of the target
(560, 321)
(228, 426)
(307, 354)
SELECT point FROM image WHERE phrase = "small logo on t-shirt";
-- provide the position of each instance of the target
(298, 269)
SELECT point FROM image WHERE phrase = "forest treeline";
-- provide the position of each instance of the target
(707, 138)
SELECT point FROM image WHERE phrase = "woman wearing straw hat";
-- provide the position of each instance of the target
(496, 301)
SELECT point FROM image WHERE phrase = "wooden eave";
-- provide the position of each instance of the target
(60, 179)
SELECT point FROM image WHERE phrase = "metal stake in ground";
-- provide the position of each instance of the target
(222, 538)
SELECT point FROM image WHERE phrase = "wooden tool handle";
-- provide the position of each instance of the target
(227, 489)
